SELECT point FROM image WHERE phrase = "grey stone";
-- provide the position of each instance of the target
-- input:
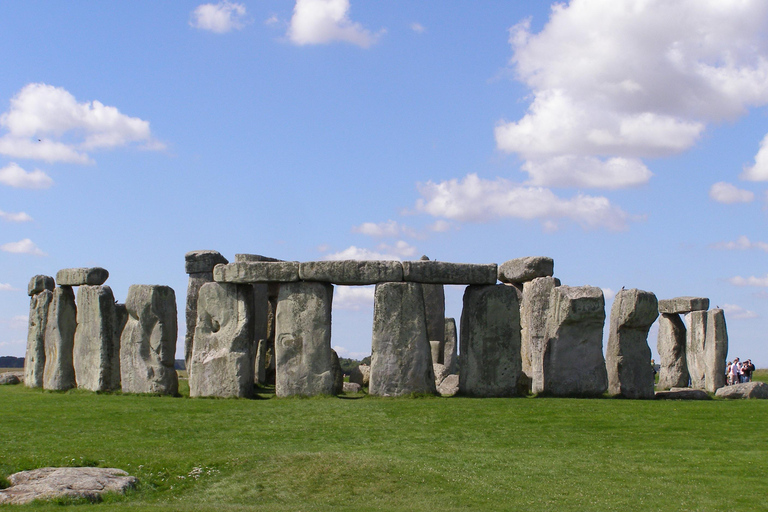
(96, 353)
(683, 394)
(450, 354)
(34, 361)
(439, 272)
(148, 341)
(573, 362)
(11, 378)
(490, 342)
(744, 390)
(60, 328)
(449, 386)
(196, 281)
(240, 258)
(695, 346)
(434, 309)
(534, 310)
(682, 305)
(39, 283)
(351, 272)
(360, 375)
(715, 351)
(260, 369)
(196, 262)
(91, 276)
(338, 373)
(401, 362)
(522, 270)
(49, 483)
(441, 372)
(305, 364)
(673, 367)
(223, 351)
(435, 350)
(121, 318)
(628, 358)
(257, 272)
(351, 387)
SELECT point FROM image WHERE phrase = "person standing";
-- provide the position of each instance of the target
(735, 371)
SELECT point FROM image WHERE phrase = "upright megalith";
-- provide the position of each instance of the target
(534, 310)
(695, 346)
(199, 265)
(60, 328)
(490, 342)
(628, 358)
(304, 359)
(450, 348)
(434, 308)
(572, 361)
(223, 351)
(90, 276)
(148, 341)
(40, 290)
(715, 351)
(401, 361)
(522, 270)
(670, 344)
(96, 352)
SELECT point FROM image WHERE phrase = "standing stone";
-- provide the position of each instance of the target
(573, 362)
(450, 354)
(34, 362)
(199, 265)
(338, 374)
(673, 368)
(59, 339)
(360, 375)
(522, 270)
(695, 343)
(96, 353)
(40, 283)
(716, 350)
(260, 366)
(533, 327)
(490, 342)
(148, 341)
(434, 308)
(222, 354)
(401, 362)
(304, 359)
(628, 358)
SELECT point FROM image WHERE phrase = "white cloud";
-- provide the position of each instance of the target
(440, 226)
(759, 171)
(325, 21)
(734, 312)
(381, 229)
(418, 28)
(359, 253)
(726, 193)
(25, 246)
(477, 200)
(609, 293)
(14, 176)
(343, 352)
(15, 217)
(5, 287)
(742, 244)
(353, 298)
(40, 114)
(642, 80)
(749, 281)
(219, 18)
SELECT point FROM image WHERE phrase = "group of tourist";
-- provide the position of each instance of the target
(737, 372)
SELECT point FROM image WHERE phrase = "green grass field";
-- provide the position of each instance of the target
(398, 454)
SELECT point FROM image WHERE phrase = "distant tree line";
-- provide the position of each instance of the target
(11, 362)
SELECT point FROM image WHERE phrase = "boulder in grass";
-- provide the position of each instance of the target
(683, 394)
(744, 390)
(11, 378)
(351, 387)
(449, 386)
(75, 483)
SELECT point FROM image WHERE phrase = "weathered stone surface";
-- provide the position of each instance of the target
(744, 390)
(351, 272)
(673, 367)
(490, 342)
(60, 328)
(715, 350)
(695, 346)
(11, 378)
(351, 387)
(196, 262)
(683, 394)
(682, 305)
(96, 353)
(533, 327)
(223, 351)
(522, 270)
(257, 272)
(260, 365)
(628, 358)
(440, 272)
(148, 341)
(434, 309)
(441, 372)
(305, 364)
(39, 283)
(449, 386)
(360, 375)
(436, 350)
(49, 483)
(338, 373)
(34, 361)
(401, 362)
(450, 354)
(240, 258)
(92, 276)
(196, 281)
(572, 362)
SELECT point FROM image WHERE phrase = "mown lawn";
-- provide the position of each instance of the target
(398, 454)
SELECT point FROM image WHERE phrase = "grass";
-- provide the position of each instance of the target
(397, 454)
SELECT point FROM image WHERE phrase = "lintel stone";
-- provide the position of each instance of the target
(242, 258)
(202, 261)
(682, 305)
(257, 272)
(351, 272)
(39, 283)
(440, 272)
(93, 276)
(521, 270)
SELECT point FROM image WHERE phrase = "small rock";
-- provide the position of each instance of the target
(744, 390)
(449, 386)
(49, 483)
(11, 378)
(351, 387)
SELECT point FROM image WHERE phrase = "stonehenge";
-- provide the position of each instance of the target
(40, 291)
(96, 348)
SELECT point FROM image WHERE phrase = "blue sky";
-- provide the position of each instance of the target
(623, 139)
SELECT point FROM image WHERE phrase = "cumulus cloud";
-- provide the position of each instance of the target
(326, 21)
(397, 251)
(14, 176)
(25, 246)
(389, 228)
(47, 123)
(15, 217)
(440, 226)
(734, 312)
(749, 281)
(219, 18)
(344, 352)
(353, 298)
(478, 200)
(742, 243)
(5, 287)
(758, 171)
(642, 81)
(726, 193)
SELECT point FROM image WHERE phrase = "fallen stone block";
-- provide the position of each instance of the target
(34, 361)
(522, 270)
(257, 272)
(351, 387)
(96, 350)
(439, 272)
(682, 305)
(40, 283)
(673, 367)
(93, 276)
(11, 378)
(202, 261)
(449, 386)
(351, 272)
(50, 483)
(744, 390)
(683, 394)
(59, 373)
